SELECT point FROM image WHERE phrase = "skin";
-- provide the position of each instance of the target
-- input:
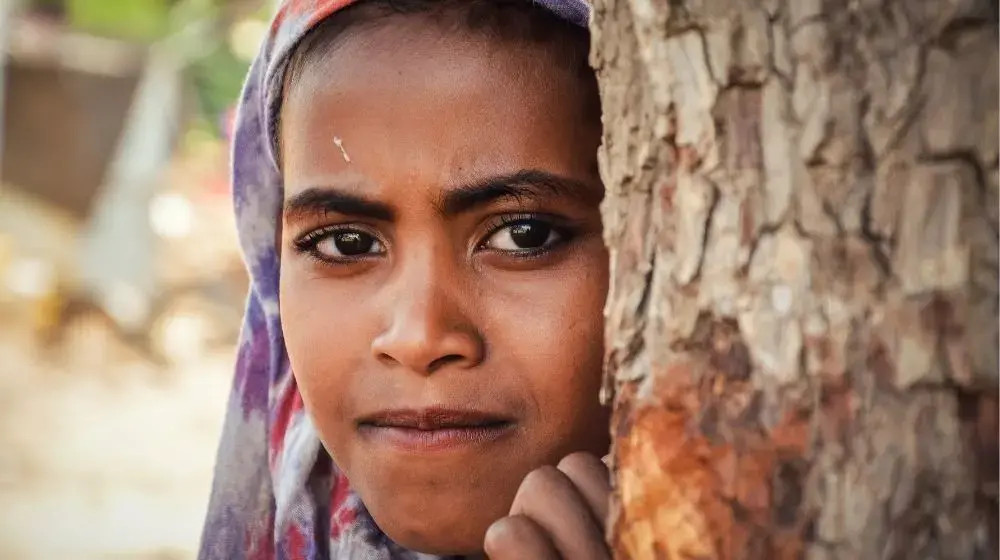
(443, 306)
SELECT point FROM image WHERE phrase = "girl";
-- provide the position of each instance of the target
(423, 175)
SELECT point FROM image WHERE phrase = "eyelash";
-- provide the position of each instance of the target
(564, 232)
(308, 243)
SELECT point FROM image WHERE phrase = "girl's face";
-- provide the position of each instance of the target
(443, 272)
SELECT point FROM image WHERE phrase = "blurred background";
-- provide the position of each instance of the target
(121, 289)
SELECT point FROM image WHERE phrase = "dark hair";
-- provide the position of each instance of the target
(500, 20)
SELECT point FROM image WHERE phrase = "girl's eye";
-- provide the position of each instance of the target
(340, 244)
(523, 236)
(349, 243)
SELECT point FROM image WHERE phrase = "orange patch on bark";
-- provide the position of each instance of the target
(682, 495)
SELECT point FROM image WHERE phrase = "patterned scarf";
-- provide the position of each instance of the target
(277, 495)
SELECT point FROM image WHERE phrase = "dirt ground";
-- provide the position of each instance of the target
(103, 455)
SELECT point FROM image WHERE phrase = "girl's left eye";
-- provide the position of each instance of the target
(523, 236)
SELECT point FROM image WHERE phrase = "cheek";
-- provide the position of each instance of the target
(322, 353)
(554, 333)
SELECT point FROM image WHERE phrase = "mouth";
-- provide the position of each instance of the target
(434, 429)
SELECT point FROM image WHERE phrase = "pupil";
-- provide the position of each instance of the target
(353, 243)
(530, 235)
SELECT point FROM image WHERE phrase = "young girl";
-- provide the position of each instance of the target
(417, 181)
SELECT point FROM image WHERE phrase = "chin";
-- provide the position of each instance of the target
(424, 534)
(444, 523)
(435, 547)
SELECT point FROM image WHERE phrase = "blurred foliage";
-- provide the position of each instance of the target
(195, 29)
(144, 20)
(217, 78)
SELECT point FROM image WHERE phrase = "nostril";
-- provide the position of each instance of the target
(443, 361)
(425, 351)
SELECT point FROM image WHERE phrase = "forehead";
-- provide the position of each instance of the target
(405, 90)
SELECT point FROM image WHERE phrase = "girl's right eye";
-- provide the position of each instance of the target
(340, 244)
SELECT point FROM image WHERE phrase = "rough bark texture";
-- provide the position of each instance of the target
(802, 326)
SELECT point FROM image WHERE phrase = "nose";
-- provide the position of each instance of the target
(426, 328)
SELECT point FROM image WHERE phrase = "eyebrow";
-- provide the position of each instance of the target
(520, 185)
(524, 184)
(318, 201)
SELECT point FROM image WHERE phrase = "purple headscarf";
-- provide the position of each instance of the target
(277, 495)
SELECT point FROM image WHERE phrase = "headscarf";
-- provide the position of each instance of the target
(276, 494)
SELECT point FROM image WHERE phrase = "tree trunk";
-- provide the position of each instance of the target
(802, 324)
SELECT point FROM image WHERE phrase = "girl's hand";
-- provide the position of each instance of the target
(558, 513)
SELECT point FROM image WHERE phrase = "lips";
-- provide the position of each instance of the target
(434, 429)
(432, 419)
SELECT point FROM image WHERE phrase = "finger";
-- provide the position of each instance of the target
(591, 478)
(517, 537)
(551, 500)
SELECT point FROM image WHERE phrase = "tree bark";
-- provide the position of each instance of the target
(803, 316)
